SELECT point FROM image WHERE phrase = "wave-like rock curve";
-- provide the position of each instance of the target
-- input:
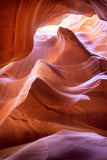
(59, 82)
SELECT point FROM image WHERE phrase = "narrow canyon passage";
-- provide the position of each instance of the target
(53, 80)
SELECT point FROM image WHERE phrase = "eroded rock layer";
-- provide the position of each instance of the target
(57, 80)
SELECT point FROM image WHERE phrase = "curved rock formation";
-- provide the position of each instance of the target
(63, 145)
(57, 80)
(20, 20)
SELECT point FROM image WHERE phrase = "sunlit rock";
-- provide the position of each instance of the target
(53, 76)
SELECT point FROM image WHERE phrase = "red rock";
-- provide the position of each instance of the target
(55, 81)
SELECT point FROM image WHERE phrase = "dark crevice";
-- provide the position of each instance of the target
(19, 119)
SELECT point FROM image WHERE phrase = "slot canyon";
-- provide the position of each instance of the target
(53, 79)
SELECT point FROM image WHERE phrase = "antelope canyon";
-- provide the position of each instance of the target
(53, 79)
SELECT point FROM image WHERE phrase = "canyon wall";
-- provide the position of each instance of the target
(52, 81)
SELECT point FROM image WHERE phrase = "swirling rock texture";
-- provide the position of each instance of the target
(53, 78)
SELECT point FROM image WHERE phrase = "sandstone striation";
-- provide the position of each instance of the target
(53, 76)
